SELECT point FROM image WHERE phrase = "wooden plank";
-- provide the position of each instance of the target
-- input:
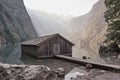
(44, 57)
(95, 65)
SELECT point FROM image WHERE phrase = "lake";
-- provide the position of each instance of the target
(11, 53)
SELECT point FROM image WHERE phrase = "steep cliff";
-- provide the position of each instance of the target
(15, 24)
(96, 27)
(77, 27)
(93, 28)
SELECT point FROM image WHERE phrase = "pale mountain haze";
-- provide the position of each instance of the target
(46, 24)
(62, 7)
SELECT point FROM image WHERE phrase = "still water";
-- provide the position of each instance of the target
(11, 53)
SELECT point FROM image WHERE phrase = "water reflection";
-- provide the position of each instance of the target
(10, 53)
(52, 63)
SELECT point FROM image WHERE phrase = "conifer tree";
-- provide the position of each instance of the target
(112, 17)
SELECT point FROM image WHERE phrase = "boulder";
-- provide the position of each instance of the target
(72, 75)
(118, 57)
(29, 72)
(89, 66)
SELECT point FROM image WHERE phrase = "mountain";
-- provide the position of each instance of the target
(90, 30)
(46, 23)
(15, 23)
(77, 26)
(96, 29)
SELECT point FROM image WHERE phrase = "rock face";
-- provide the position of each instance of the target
(93, 27)
(15, 24)
(96, 28)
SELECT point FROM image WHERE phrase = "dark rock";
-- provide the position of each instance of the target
(3, 73)
(109, 50)
(60, 72)
(52, 76)
(89, 66)
(84, 57)
(19, 78)
(88, 57)
(1, 69)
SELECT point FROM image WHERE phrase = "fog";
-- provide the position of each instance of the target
(46, 24)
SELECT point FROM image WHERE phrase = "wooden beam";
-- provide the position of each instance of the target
(95, 65)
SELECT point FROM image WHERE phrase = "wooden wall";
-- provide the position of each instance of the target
(46, 49)
(28, 49)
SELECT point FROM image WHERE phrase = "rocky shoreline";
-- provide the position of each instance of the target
(41, 72)
(29, 72)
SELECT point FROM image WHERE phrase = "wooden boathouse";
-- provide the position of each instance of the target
(47, 46)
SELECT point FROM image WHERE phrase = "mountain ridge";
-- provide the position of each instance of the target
(15, 23)
(90, 31)
(46, 24)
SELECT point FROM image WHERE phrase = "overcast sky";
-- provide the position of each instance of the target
(62, 7)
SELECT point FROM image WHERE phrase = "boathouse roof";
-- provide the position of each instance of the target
(37, 41)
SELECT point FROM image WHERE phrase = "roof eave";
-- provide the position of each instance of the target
(29, 44)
